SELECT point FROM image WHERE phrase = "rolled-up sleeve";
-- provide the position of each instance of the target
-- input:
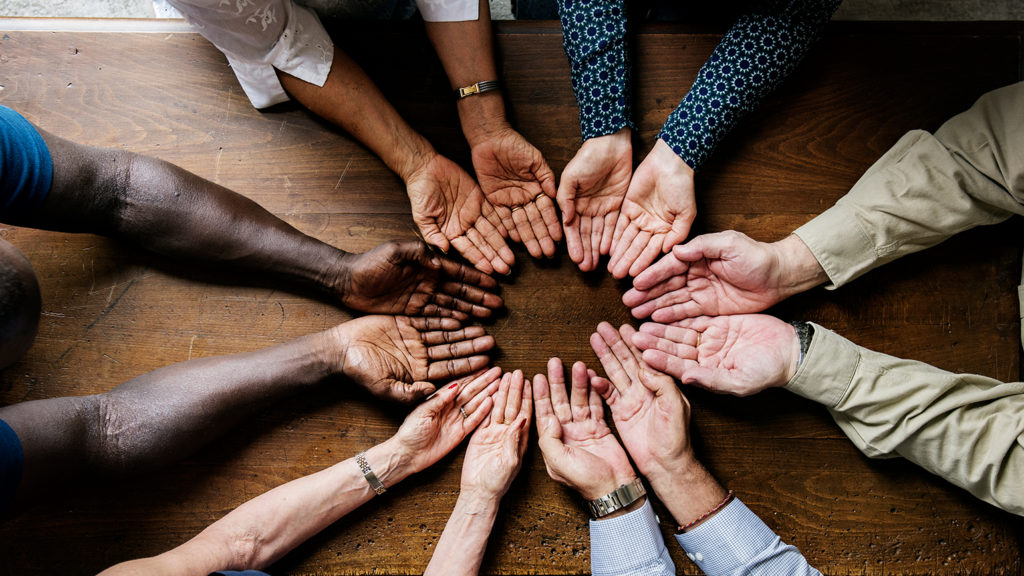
(258, 37)
(448, 10)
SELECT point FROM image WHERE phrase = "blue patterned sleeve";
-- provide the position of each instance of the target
(756, 54)
(594, 38)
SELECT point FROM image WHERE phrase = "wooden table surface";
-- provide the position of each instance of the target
(112, 312)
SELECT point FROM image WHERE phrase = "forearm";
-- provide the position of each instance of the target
(157, 417)
(595, 41)
(467, 54)
(161, 207)
(464, 540)
(927, 188)
(962, 427)
(350, 100)
(262, 530)
(755, 56)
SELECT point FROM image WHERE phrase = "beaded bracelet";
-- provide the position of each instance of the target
(728, 498)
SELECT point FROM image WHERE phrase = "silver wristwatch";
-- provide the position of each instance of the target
(619, 498)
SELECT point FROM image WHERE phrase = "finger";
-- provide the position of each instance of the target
(460, 348)
(549, 213)
(432, 235)
(540, 228)
(716, 380)
(596, 406)
(698, 323)
(566, 197)
(650, 254)
(478, 240)
(514, 397)
(482, 386)
(505, 215)
(460, 273)
(411, 392)
(679, 334)
(525, 412)
(437, 337)
(491, 215)
(449, 299)
(682, 351)
(451, 391)
(630, 253)
(470, 252)
(676, 312)
(556, 384)
(500, 399)
(599, 342)
(621, 241)
(668, 363)
(548, 425)
(588, 263)
(422, 323)
(705, 246)
(522, 220)
(667, 267)
(497, 243)
(608, 230)
(579, 397)
(453, 367)
(605, 389)
(573, 241)
(432, 309)
(596, 232)
(475, 417)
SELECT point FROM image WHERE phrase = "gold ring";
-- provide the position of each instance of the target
(516, 208)
(462, 409)
(506, 421)
(538, 196)
(698, 340)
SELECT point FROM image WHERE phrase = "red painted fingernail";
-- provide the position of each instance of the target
(453, 386)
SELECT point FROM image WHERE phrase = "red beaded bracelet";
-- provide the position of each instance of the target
(728, 498)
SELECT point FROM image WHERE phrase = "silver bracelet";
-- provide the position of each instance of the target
(617, 499)
(375, 482)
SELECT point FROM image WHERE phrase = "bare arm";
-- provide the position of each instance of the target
(169, 413)
(261, 531)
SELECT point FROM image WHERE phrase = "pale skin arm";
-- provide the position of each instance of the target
(493, 459)
(653, 420)
(447, 205)
(262, 530)
(170, 413)
(723, 273)
(512, 173)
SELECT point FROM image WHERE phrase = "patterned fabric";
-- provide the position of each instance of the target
(261, 36)
(755, 55)
(733, 541)
(594, 39)
(26, 168)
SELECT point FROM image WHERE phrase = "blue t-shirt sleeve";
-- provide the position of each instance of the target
(594, 38)
(754, 57)
(11, 462)
(26, 168)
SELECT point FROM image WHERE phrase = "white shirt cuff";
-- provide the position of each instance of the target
(448, 10)
(629, 544)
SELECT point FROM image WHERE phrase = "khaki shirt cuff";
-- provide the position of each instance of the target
(828, 368)
(841, 246)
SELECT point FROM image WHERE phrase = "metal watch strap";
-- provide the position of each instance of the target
(619, 498)
(374, 482)
(477, 88)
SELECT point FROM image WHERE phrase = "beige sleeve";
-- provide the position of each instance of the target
(926, 189)
(965, 428)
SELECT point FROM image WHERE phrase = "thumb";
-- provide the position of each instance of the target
(714, 380)
(705, 246)
(566, 198)
(432, 235)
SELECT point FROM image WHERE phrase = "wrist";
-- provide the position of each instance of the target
(482, 117)
(799, 270)
(607, 485)
(688, 490)
(416, 157)
(331, 348)
(477, 503)
(389, 462)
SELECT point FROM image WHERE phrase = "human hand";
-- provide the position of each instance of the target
(407, 278)
(396, 357)
(495, 452)
(590, 195)
(519, 184)
(578, 448)
(451, 210)
(650, 413)
(657, 212)
(723, 273)
(738, 355)
(437, 426)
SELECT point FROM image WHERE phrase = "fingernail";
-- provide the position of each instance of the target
(453, 386)
(435, 262)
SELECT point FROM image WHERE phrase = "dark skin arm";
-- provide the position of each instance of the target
(170, 413)
(166, 209)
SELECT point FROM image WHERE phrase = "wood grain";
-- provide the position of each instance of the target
(111, 312)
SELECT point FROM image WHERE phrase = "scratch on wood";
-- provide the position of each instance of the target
(343, 172)
(190, 344)
(52, 314)
(216, 167)
(105, 355)
(111, 306)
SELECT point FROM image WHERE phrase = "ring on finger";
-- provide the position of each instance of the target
(539, 194)
(462, 410)
(698, 340)
(516, 208)
(506, 421)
